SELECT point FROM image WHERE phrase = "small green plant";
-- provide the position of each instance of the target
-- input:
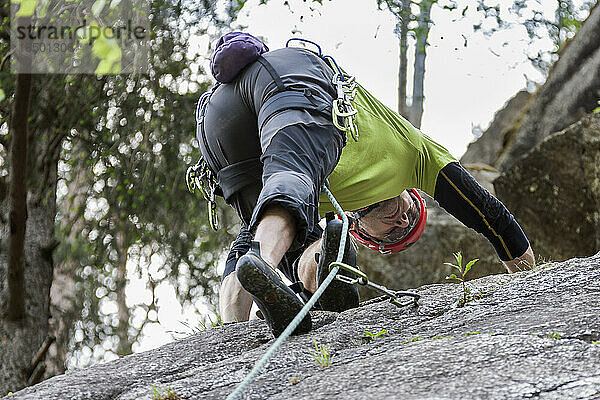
(595, 341)
(441, 337)
(472, 333)
(542, 263)
(202, 327)
(554, 335)
(374, 336)
(211, 324)
(415, 339)
(159, 394)
(462, 272)
(321, 355)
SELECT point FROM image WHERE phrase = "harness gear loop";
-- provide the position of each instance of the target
(342, 109)
(200, 177)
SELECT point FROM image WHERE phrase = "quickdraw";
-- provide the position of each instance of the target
(343, 113)
(201, 177)
(342, 109)
(363, 280)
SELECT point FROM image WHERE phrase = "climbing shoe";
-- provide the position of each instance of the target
(277, 302)
(338, 296)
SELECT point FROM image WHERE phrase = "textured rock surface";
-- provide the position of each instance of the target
(487, 148)
(530, 335)
(554, 191)
(571, 91)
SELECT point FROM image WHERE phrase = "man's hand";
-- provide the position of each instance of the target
(523, 263)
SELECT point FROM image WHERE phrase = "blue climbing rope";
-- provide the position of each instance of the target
(296, 321)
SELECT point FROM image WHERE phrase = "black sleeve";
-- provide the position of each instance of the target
(462, 196)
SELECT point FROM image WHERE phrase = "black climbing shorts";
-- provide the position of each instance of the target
(289, 174)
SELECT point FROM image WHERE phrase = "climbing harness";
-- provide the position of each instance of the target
(200, 176)
(333, 274)
(343, 113)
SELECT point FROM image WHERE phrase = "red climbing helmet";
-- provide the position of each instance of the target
(412, 234)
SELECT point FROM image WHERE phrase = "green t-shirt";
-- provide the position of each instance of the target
(390, 156)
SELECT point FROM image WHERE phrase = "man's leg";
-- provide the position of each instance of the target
(275, 233)
(296, 162)
(307, 266)
(234, 301)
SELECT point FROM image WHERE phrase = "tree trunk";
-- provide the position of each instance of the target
(422, 33)
(23, 344)
(403, 59)
(124, 346)
(26, 267)
(18, 199)
(64, 307)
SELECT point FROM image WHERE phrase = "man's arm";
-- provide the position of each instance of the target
(463, 197)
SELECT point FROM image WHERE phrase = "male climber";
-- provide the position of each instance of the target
(267, 134)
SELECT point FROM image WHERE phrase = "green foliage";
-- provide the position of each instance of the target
(415, 339)
(322, 355)
(460, 275)
(168, 394)
(472, 333)
(204, 326)
(375, 336)
(554, 335)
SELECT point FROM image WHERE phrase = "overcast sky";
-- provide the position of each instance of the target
(464, 86)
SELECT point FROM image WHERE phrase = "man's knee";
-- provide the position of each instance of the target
(289, 184)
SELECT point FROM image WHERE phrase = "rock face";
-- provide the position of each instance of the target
(487, 148)
(571, 91)
(554, 191)
(529, 335)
